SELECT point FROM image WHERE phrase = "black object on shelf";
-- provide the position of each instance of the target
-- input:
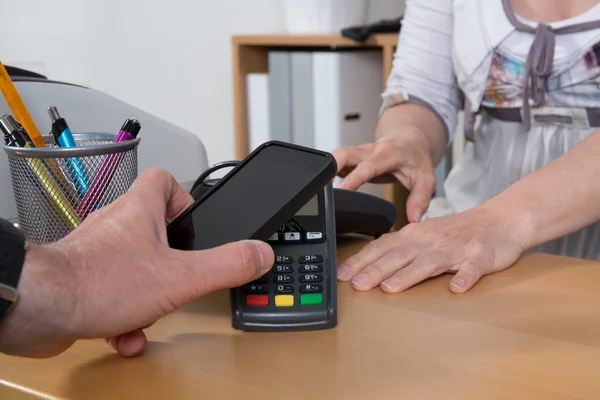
(362, 32)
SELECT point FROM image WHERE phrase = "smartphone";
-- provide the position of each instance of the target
(255, 198)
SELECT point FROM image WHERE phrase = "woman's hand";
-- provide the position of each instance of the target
(403, 159)
(474, 243)
(410, 141)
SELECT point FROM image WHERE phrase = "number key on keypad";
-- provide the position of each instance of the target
(257, 289)
(310, 259)
(283, 269)
(285, 289)
(304, 278)
(283, 279)
(283, 260)
(311, 288)
(311, 268)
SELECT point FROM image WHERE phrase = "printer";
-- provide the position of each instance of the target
(86, 110)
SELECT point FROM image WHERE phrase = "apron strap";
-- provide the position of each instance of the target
(538, 65)
(540, 58)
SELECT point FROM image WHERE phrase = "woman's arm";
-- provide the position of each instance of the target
(557, 199)
(421, 90)
(414, 122)
(419, 112)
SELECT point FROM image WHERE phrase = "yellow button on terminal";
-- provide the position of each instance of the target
(284, 301)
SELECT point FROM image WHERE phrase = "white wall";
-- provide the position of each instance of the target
(172, 58)
(385, 9)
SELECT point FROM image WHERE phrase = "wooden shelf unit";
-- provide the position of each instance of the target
(251, 55)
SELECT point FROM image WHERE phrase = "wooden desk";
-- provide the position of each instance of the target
(251, 55)
(531, 332)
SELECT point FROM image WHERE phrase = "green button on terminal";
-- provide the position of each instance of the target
(311, 299)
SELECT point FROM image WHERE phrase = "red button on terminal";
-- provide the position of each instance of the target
(257, 300)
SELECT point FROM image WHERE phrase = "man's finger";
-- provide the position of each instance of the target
(159, 189)
(177, 201)
(129, 344)
(227, 266)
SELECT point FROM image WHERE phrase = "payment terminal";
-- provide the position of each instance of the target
(282, 194)
(300, 290)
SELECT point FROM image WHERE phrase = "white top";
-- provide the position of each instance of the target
(447, 47)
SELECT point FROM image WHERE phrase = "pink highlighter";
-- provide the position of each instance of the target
(129, 131)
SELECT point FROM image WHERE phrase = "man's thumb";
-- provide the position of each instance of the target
(230, 265)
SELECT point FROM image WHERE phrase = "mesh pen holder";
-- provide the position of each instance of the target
(56, 188)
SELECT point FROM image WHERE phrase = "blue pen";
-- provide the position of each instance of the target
(64, 138)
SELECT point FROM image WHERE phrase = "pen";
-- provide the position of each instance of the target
(15, 135)
(64, 138)
(52, 164)
(129, 131)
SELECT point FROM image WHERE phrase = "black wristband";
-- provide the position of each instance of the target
(12, 258)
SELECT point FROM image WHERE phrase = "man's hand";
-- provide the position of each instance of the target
(116, 274)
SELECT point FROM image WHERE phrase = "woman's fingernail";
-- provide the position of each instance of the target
(418, 214)
(458, 283)
(391, 283)
(361, 280)
(343, 273)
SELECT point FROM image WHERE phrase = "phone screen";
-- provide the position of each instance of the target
(310, 209)
(250, 196)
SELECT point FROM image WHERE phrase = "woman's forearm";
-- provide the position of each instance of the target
(398, 119)
(557, 199)
(422, 93)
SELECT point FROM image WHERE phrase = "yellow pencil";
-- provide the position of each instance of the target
(18, 108)
(58, 200)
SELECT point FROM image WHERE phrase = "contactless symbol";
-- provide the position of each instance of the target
(291, 226)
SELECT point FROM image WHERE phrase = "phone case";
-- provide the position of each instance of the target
(287, 211)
